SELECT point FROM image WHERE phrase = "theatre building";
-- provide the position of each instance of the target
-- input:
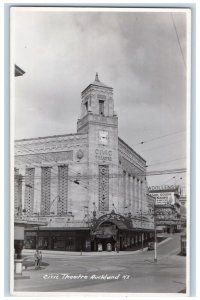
(89, 187)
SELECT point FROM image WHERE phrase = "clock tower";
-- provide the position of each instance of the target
(99, 120)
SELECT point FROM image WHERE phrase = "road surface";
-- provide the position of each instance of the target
(126, 272)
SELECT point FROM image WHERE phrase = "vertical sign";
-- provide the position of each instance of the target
(103, 188)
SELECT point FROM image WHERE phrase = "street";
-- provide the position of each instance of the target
(124, 272)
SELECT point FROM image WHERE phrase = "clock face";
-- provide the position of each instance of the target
(103, 137)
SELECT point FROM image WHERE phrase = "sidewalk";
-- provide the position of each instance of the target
(77, 253)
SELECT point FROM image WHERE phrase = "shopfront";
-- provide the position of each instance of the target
(58, 239)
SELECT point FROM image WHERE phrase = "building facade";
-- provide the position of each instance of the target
(90, 187)
(168, 214)
(183, 210)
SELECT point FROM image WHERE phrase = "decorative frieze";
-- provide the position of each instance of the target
(40, 158)
(46, 144)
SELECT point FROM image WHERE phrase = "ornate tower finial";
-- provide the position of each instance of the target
(96, 77)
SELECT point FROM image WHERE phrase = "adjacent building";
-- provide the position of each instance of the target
(183, 210)
(90, 186)
(167, 198)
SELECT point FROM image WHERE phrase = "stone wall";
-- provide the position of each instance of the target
(50, 153)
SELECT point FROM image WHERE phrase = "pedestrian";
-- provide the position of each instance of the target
(117, 247)
(39, 259)
(36, 257)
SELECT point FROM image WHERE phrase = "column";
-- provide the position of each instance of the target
(135, 194)
(124, 189)
(138, 195)
(131, 194)
(121, 193)
(127, 191)
(141, 196)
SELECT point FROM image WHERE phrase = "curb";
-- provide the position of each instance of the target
(67, 253)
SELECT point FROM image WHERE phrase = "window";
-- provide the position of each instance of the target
(101, 107)
(86, 106)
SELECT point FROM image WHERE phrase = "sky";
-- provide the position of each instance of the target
(141, 55)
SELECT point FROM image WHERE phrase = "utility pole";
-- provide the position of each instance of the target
(155, 234)
(140, 215)
(38, 229)
(142, 229)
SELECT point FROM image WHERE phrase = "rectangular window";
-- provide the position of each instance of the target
(103, 188)
(101, 107)
(86, 106)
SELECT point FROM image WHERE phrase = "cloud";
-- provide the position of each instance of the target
(138, 54)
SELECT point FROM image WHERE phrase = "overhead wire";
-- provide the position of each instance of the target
(159, 137)
(178, 39)
(161, 146)
(166, 161)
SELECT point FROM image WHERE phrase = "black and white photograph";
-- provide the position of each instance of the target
(100, 148)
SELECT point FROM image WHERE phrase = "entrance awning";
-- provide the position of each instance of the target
(120, 224)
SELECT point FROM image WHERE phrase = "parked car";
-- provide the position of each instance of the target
(183, 244)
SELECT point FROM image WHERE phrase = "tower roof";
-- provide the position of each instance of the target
(97, 82)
